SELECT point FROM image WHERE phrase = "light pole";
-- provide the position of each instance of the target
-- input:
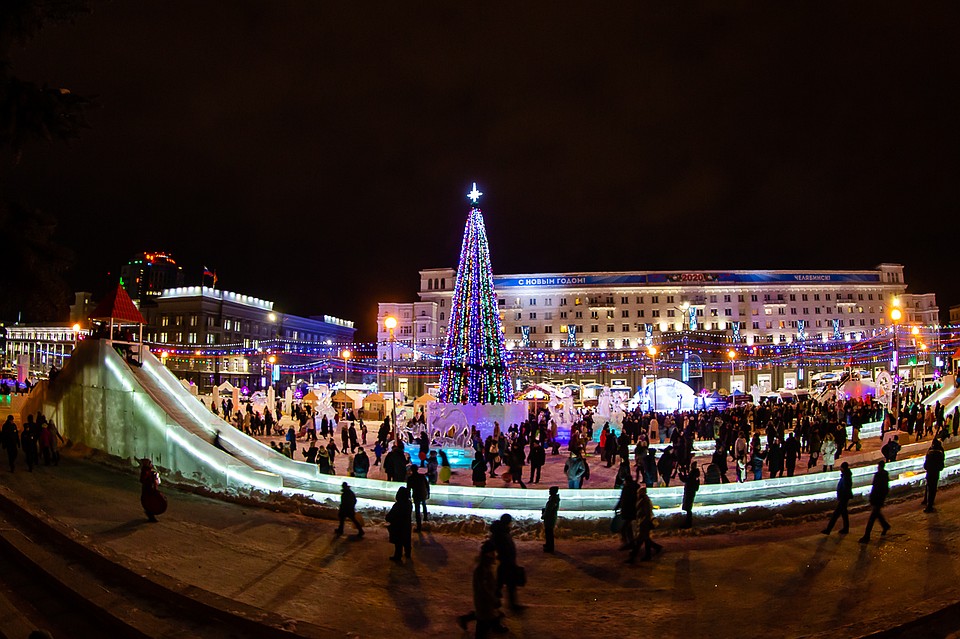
(652, 351)
(685, 367)
(390, 322)
(895, 315)
(732, 356)
(345, 354)
(76, 340)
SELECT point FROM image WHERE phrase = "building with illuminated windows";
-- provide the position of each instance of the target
(233, 334)
(616, 312)
(148, 274)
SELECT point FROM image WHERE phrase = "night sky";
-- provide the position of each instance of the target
(318, 154)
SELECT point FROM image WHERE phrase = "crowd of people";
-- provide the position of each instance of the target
(39, 439)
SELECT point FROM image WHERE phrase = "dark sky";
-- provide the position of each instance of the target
(318, 153)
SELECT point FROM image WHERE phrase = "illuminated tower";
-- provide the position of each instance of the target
(475, 356)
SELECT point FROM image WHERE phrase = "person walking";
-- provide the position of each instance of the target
(29, 442)
(691, 484)
(575, 468)
(626, 508)
(348, 510)
(10, 440)
(509, 574)
(420, 491)
(151, 499)
(486, 601)
(791, 453)
(878, 495)
(933, 463)
(643, 528)
(398, 525)
(549, 514)
(844, 495)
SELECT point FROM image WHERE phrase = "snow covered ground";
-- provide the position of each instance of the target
(778, 579)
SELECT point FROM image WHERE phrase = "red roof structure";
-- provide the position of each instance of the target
(118, 307)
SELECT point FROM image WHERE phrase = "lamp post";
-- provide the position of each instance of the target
(390, 322)
(652, 351)
(732, 356)
(76, 340)
(895, 315)
(685, 367)
(345, 354)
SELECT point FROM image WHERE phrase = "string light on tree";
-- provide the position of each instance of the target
(474, 368)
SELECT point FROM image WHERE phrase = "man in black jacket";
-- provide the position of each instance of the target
(933, 464)
(878, 495)
(844, 494)
(348, 510)
(419, 492)
(537, 458)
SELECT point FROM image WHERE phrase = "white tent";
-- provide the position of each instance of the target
(671, 395)
(226, 388)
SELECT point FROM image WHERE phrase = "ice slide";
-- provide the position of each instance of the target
(134, 412)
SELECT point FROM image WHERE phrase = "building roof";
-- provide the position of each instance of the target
(118, 306)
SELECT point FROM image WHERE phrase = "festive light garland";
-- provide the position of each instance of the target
(474, 368)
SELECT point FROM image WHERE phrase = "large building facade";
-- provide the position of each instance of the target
(146, 275)
(626, 311)
(216, 336)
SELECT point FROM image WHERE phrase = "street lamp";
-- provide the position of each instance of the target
(685, 367)
(895, 315)
(345, 354)
(163, 357)
(732, 356)
(390, 322)
(652, 351)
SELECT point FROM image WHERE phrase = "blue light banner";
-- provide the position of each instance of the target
(574, 280)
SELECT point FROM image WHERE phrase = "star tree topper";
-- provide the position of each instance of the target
(474, 195)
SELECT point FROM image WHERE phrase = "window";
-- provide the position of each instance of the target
(563, 301)
(626, 328)
(442, 317)
(519, 316)
(859, 297)
(655, 313)
(178, 320)
(610, 314)
(625, 314)
(793, 311)
(713, 299)
(500, 302)
(671, 313)
(563, 315)
(640, 313)
(594, 328)
(714, 312)
(816, 297)
(443, 302)
(726, 298)
(211, 338)
(423, 328)
(594, 314)
(163, 337)
(728, 312)
(594, 343)
(828, 297)
(516, 330)
(611, 343)
(609, 299)
(548, 329)
(548, 301)
(533, 316)
(740, 298)
(655, 299)
(753, 298)
(624, 300)
(227, 325)
(640, 300)
(164, 321)
(578, 315)
(793, 298)
(533, 301)
(609, 328)
(669, 299)
(756, 325)
(548, 316)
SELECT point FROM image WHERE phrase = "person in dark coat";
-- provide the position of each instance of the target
(151, 499)
(844, 495)
(650, 468)
(29, 442)
(10, 440)
(361, 463)
(478, 471)
(933, 463)
(509, 574)
(537, 458)
(395, 464)
(420, 491)
(878, 495)
(424, 442)
(398, 525)
(791, 453)
(627, 508)
(549, 514)
(691, 484)
(352, 434)
(486, 601)
(348, 509)
(666, 465)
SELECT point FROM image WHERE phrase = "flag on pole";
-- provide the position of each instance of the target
(211, 274)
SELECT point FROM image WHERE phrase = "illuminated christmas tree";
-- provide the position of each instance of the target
(475, 357)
